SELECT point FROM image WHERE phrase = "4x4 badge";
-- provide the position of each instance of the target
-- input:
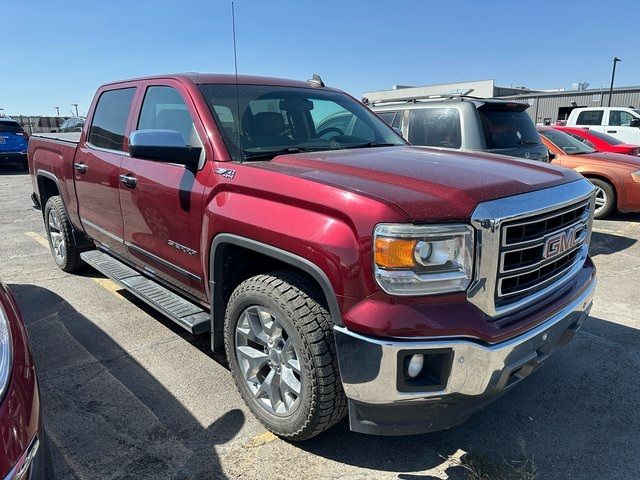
(225, 172)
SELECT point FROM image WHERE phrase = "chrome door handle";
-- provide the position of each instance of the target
(81, 167)
(129, 181)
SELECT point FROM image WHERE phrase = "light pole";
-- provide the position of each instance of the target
(613, 76)
(76, 107)
(57, 111)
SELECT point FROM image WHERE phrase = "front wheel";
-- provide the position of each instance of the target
(281, 352)
(605, 198)
(60, 235)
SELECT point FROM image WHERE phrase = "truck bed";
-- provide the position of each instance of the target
(70, 137)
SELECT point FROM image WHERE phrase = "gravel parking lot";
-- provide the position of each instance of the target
(126, 394)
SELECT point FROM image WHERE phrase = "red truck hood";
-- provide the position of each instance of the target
(428, 184)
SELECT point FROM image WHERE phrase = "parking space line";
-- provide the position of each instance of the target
(38, 238)
(106, 283)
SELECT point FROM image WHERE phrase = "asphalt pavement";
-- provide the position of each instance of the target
(126, 394)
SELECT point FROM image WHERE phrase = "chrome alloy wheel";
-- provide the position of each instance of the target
(601, 199)
(57, 239)
(269, 362)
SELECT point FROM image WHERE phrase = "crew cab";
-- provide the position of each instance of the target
(343, 272)
(619, 122)
(462, 122)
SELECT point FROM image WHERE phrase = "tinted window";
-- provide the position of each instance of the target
(507, 128)
(261, 121)
(397, 121)
(10, 127)
(164, 109)
(110, 118)
(387, 117)
(566, 143)
(435, 127)
(607, 138)
(581, 139)
(590, 117)
(619, 118)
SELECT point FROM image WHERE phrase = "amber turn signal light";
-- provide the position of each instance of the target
(395, 252)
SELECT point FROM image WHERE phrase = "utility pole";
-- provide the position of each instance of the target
(613, 76)
(57, 111)
(76, 106)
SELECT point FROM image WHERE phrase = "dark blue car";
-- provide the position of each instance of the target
(13, 143)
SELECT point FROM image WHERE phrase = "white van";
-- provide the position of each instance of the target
(619, 122)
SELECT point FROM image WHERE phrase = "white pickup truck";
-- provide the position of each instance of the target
(619, 122)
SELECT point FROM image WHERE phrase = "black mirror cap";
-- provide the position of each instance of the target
(165, 146)
(552, 156)
(635, 122)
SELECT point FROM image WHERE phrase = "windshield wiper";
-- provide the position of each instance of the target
(371, 144)
(275, 153)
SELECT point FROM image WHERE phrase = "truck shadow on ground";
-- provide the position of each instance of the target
(558, 419)
(12, 170)
(115, 417)
(608, 243)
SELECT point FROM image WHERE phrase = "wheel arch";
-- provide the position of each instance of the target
(260, 258)
(48, 186)
(604, 178)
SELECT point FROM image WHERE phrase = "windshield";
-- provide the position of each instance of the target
(507, 128)
(607, 138)
(274, 120)
(566, 143)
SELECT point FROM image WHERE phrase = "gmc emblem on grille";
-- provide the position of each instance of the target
(560, 243)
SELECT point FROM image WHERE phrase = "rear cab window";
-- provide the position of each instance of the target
(507, 127)
(110, 119)
(11, 127)
(435, 127)
(590, 117)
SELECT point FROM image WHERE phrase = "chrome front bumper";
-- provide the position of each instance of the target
(370, 368)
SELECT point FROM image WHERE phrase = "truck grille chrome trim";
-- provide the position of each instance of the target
(529, 245)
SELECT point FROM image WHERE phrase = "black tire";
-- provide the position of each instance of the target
(70, 261)
(298, 306)
(609, 194)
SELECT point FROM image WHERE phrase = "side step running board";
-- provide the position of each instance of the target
(186, 314)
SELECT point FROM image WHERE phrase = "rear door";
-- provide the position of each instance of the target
(162, 212)
(619, 126)
(97, 166)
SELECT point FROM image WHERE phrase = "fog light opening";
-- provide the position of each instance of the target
(415, 365)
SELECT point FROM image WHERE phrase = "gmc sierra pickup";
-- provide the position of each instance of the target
(342, 270)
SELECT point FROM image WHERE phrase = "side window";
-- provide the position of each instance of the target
(397, 121)
(164, 109)
(110, 118)
(387, 117)
(619, 118)
(435, 127)
(590, 117)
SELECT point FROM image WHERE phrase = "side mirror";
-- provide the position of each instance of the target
(552, 156)
(165, 146)
(635, 122)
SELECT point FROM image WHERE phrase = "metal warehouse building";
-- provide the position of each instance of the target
(546, 106)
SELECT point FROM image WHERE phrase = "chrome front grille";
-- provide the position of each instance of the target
(525, 266)
(529, 245)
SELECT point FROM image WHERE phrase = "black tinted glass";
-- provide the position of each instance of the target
(387, 117)
(435, 127)
(110, 118)
(505, 128)
(10, 127)
(164, 109)
(590, 117)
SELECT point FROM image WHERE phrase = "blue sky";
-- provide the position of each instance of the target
(62, 50)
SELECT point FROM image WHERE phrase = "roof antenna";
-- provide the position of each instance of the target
(235, 63)
(315, 81)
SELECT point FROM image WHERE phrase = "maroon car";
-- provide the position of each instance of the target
(22, 449)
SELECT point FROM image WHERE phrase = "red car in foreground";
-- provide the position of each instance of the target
(22, 448)
(599, 141)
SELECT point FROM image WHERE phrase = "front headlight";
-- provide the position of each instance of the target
(5, 352)
(636, 176)
(423, 259)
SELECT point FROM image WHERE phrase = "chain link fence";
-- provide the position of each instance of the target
(39, 124)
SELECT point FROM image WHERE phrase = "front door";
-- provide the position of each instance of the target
(619, 126)
(97, 166)
(162, 211)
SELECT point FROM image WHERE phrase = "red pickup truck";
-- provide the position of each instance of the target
(343, 270)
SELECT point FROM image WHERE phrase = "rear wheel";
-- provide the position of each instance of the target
(60, 234)
(281, 352)
(605, 198)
